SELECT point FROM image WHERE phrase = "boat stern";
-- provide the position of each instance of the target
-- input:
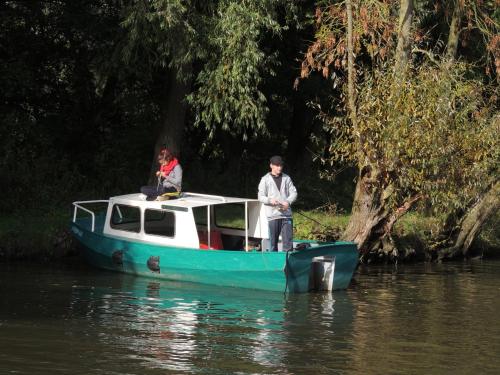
(324, 268)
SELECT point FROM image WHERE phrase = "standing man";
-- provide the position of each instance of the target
(277, 192)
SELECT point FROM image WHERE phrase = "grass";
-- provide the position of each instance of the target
(308, 223)
(311, 225)
(416, 224)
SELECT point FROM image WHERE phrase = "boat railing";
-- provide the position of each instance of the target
(78, 205)
(208, 196)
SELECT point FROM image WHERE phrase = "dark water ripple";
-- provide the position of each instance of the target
(421, 319)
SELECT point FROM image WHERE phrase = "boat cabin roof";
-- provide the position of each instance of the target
(186, 200)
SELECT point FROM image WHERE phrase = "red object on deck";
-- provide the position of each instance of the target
(215, 240)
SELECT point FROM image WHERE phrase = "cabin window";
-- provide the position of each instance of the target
(200, 215)
(230, 215)
(126, 218)
(159, 222)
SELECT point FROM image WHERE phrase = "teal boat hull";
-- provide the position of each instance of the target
(273, 271)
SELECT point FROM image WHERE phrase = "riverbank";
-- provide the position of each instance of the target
(412, 234)
(37, 235)
(43, 235)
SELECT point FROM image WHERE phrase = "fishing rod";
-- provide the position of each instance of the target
(331, 232)
(310, 218)
(307, 217)
(164, 147)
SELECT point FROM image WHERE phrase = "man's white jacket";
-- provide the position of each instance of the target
(268, 190)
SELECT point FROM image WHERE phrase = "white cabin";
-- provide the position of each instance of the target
(191, 221)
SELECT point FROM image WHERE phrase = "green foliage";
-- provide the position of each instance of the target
(417, 225)
(35, 234)
(163, 33)
(228, 90)
(432, 134)
(66, 109)
(489, 241)
(77, 123)
(320, 224)
(374, 36)
(223, 38)
(478, 25)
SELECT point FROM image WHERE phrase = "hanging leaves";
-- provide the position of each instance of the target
(228, 93)
(373, 33)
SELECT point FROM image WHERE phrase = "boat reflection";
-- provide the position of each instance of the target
(186, 327)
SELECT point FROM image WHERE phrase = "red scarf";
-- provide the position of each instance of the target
(167, 168)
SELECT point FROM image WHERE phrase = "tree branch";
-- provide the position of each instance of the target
(430, 55)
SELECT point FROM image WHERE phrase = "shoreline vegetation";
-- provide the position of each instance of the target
(44, 236)
(384, 111)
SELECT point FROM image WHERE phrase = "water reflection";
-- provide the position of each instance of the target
(434, 318)
(417, 319)
(179, 327)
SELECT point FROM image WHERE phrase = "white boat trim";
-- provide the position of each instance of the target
(77, 205)
(221, 198)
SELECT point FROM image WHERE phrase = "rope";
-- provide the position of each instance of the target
(287, 271)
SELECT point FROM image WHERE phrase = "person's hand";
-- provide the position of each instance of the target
(284, 205)
(274, 202)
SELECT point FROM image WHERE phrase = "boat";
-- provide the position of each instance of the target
(208, 239)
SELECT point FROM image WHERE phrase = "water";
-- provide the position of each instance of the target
(419, 319)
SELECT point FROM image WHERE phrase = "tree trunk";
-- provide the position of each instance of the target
(453, 37)
(472, 224)
(404, 37)
(371, 220)
(351, 72)
(173, 114)
(366, 209)
(369, 213)
(106, 99)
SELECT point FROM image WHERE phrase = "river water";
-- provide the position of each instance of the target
(413, 319)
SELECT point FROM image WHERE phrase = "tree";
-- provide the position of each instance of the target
(410, 119)
(464, 223)
(162, 43)
(464, 229)
(59, 102)
(223, 42)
